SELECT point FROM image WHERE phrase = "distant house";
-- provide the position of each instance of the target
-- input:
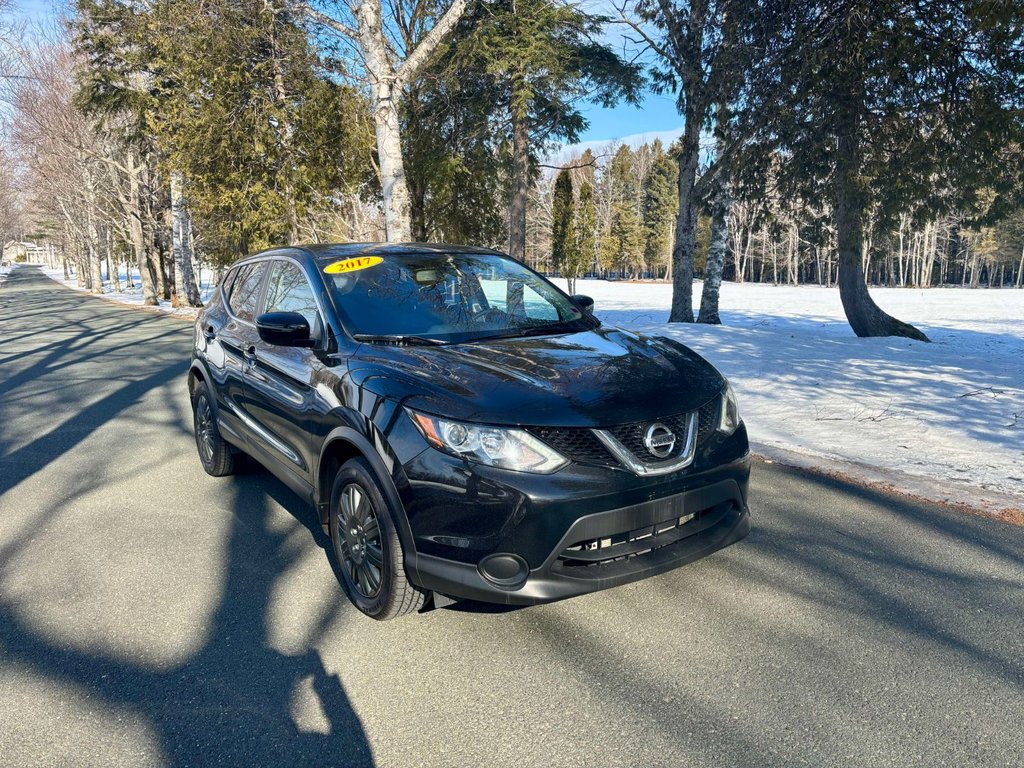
(24, 251)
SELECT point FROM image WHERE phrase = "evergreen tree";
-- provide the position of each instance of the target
(583, 253)
(456, 171)
(622, 246)
(660, 202)
(562, 221)
(543, 58)
(244, 116)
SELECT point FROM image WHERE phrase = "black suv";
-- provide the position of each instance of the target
(463, 427)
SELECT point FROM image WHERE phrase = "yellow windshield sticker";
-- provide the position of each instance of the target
(352, 265)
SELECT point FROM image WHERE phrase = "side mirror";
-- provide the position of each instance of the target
(583, 303)
(285, 329)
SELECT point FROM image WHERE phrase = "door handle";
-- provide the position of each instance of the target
(250, 356)
(209, 334)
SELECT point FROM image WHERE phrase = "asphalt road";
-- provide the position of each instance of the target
(151, 615)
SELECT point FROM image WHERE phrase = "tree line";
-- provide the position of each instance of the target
(612, 215)
(831, 142)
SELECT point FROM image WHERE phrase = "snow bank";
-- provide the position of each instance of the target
(133, 296)
(945, 420)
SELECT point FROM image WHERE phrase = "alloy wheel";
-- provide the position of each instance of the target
(204, 429)
(360, 540)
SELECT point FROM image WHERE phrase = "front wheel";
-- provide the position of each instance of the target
(366, 546)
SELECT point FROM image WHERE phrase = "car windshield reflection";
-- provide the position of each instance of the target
(448, 297)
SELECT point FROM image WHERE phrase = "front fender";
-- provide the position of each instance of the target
(384, 466)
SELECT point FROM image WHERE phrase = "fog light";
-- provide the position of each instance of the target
(504, 570)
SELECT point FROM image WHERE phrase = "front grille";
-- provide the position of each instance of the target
(632, 435)
(577, 444)
(707, 420)
(582, 446)
(629, 544)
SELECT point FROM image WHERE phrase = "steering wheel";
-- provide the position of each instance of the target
(489, 315)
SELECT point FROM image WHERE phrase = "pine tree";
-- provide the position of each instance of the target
(544, 58)
(243, 114)
(622, 246)
(562, 221)
(659, 209)
(880, 106)
(584, 236)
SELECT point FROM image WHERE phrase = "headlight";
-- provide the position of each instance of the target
(493, 446)
(729, 419)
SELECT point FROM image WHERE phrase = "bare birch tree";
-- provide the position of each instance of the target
(393, 52)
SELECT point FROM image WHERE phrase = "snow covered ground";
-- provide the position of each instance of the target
(942, 420)
(133, 296)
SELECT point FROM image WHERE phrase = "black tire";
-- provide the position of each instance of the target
(366, 547)
(215, 454)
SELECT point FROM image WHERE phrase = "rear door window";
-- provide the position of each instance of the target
(245, 291)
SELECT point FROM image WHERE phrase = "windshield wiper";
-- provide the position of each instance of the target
(397, 339)
(552, 329)
(548, 328)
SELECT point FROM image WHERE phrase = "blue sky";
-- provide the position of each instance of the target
(33, 10)
(655, 114)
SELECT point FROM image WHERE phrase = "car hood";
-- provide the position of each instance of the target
(593, 378)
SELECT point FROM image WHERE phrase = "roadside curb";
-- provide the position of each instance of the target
(187, 314)
(965, 498)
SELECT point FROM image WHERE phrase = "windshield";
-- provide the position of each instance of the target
(448, 297)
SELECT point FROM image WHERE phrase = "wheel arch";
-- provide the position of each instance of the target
(341, 445)
(196, 373)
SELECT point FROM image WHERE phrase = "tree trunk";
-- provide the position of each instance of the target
(397, 221)
(686, 223)
(520, 186)
(287, 161)
(113, 269)
(147, 272)
(163, 279)
(865, 317)
(95, 258)
(716, 258)
(187, 294)
(386, 91)
(1020, 270)
(418, 210)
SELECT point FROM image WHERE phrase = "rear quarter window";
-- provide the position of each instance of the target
(245, 291)
(227, 281)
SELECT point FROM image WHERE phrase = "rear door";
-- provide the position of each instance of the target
(280, 379)
(238, 340)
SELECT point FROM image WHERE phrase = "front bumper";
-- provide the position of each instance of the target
(607, 549)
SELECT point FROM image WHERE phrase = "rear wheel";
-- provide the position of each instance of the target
(366, 546)
(215, 454)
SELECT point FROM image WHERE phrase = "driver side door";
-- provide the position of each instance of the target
(281, 392)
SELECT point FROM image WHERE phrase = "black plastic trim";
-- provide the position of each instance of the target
(547, 583)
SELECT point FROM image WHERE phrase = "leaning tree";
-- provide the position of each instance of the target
(880, 104)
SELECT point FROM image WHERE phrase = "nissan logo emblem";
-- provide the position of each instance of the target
(659, 440)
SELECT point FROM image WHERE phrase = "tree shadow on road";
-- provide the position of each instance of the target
(237, 700)
(232, 701)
